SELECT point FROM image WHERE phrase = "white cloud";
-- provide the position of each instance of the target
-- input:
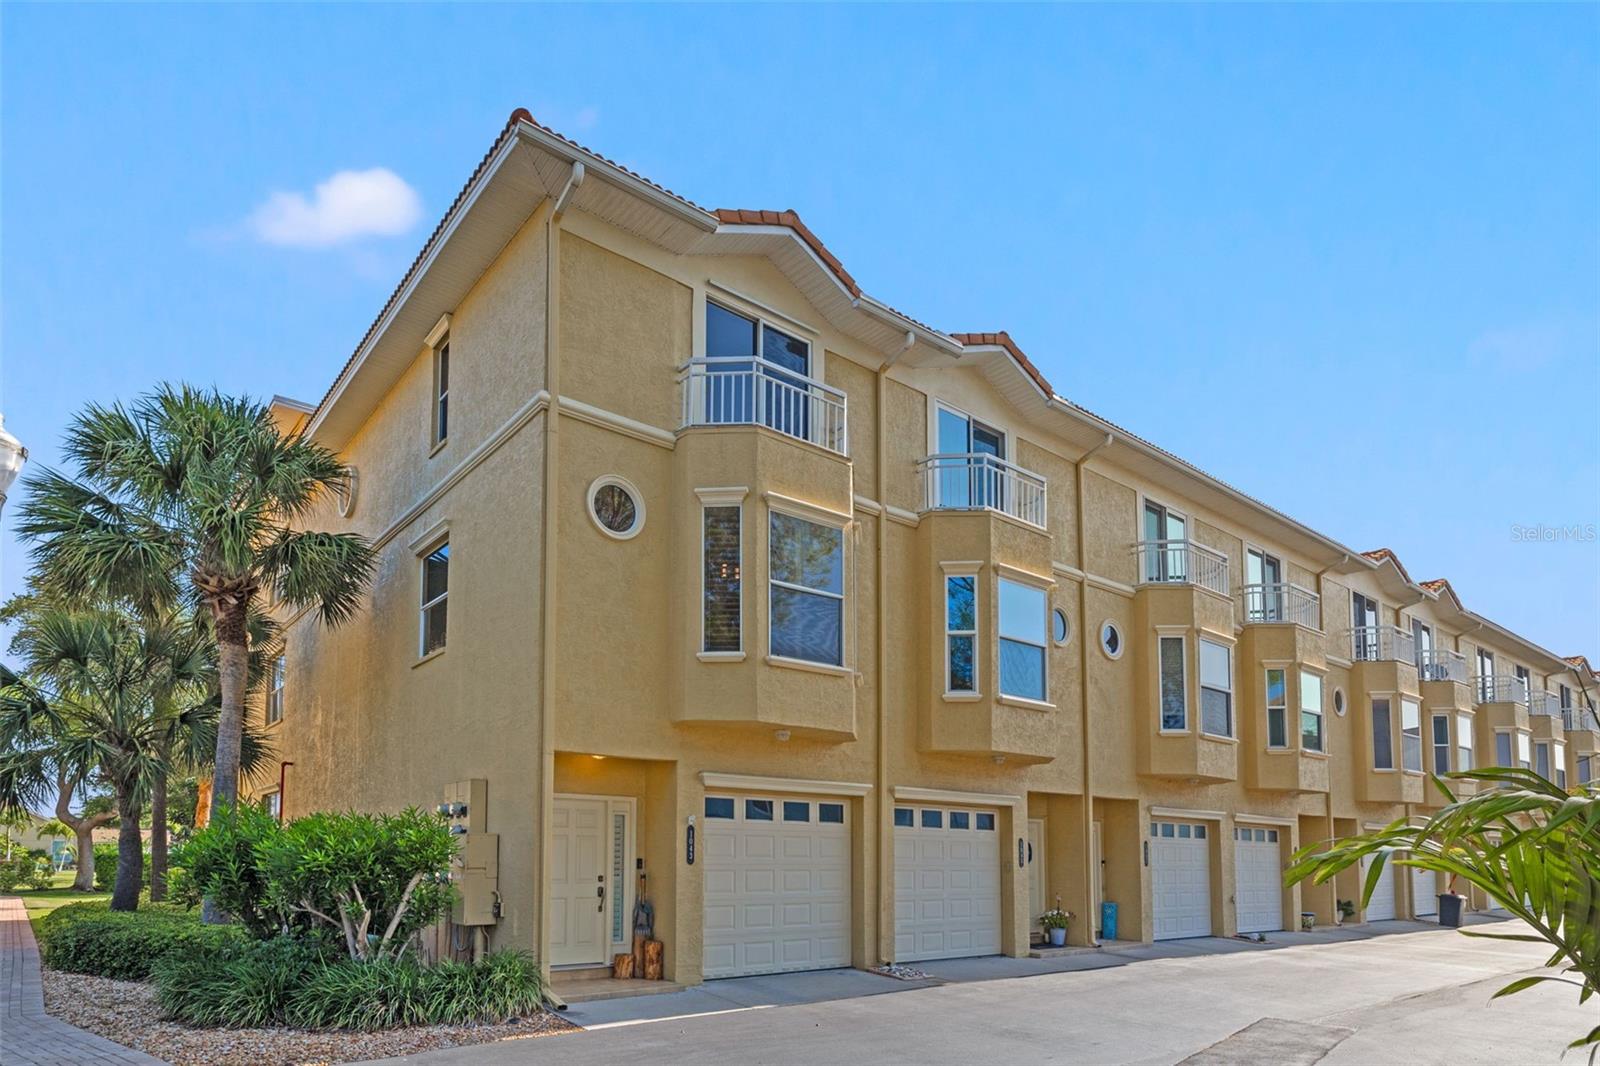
(348, 206)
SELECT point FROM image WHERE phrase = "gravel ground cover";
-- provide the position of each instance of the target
(127, 1012)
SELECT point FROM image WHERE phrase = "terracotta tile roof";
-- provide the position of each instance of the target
(1003, 339)
(1582, 663)
(1379, 555)
(738, 216)
(1436, 584)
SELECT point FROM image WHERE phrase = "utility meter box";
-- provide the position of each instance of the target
(475, 869)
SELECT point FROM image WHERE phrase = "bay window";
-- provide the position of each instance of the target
(1558, 752)
(1277, 709)
(961, 633)
(720, 589)
(807, 590)
(1023, 629)
(1311, 734)
(1382, 737)
(1411, 735)
(1463, 742)
(1174, 689)
(1441, 744)
(1216, 688)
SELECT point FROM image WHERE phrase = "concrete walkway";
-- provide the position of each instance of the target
(29, 1036)
(1386, 992)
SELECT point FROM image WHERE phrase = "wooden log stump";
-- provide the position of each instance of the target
(622, 966)
(638, 953)
(652, 960)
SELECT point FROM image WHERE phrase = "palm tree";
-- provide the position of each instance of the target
(103, 694)
(1533, 847)
(187, 494)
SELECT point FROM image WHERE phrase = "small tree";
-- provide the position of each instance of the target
(1532, 847)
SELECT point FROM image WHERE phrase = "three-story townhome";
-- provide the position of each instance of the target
(707, 576)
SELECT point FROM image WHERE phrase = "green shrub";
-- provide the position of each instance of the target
(42, 877)
(16, 870)
(289, 982)
(224, 861)
(91, 938)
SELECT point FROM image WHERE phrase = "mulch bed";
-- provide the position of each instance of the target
(127, 1012)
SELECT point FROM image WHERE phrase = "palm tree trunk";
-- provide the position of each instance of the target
(130, 852)
(233, 655)
(158, 834)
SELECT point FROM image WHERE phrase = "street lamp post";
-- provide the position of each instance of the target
(12, 456)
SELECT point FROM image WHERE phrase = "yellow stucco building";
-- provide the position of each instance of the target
(853, 637)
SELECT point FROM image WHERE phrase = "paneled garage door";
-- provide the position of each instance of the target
(1258, 879)
(1180, 879)
(1424, 894)
(946, 883)
(777, 884)
(1381, 906)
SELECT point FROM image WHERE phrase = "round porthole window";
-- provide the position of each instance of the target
(616, 507)
(1338, 702)
(1060, 629)
(347, 494)
(1111, 640)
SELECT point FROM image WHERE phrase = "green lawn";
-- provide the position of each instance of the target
(41, 903)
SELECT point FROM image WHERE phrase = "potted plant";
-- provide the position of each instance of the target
(1055, 922)
(1347, 910)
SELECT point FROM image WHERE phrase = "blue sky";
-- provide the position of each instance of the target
(1344, 257)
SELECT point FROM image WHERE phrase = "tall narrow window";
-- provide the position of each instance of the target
(1524, 752)
(1174, 689)
(969, 476)
(1023, 631)
(1558, 753)
(1585, 769)
(961, 633)
(1264, 590)
(441, 391)
(1502, 749)
(1463, 742)
(1382, 737)
(1411, 735)
(807, 578)
(1486, 677)
(721, 608)
(1541, 760)
(756, 374)
(1216, 689)
(1523, 690)
(1277, 709)
(1311, 735)
(1422, 637)
(1363, 627)
(275, 691)
(272, 802)
(1165, 553)
(435, 597)
(1441, 744)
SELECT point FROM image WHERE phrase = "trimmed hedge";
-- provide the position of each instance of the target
(290, 982)
(92, 938)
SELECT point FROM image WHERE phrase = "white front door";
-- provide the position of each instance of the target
(1381, 907)
(777, 885)
(1036, 897)
(946, 883)
(1424, 894)
(1180, 879)
(1258, 879)
(578, 868)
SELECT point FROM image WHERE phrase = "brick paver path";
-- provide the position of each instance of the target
(29, 1036)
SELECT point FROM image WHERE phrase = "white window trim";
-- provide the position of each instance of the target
(1161, 710)
(1433, 744)
(1321, 713)
(1199, 678)
(976, 691)
(758, 313)
(1266, 689)
(279, 680)
(439, 345)
(1066, 619)
(1042, 586)
(806, 512)
(423, 655)
(721, 497)
(1100, 638)
(1464, 740)
(959, 412)
(1422, 751)
(1390, 699)
(633, 492)
(1511, 748)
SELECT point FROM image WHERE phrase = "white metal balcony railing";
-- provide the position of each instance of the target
(1382, 644)
(1283, 602)
(1441, 664)
(979, 482)
(1544, 703)
(755, 392)
(1578, 718)
(1181, 562)
(1501, 688)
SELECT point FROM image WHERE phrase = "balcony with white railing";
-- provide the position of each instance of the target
(1545, 704)
(1576, 718)
(1181, 562)
(980, 482)
(1501, 688)
(1283, 602)
(1382, 644)
(1441, 664)
(755, 392)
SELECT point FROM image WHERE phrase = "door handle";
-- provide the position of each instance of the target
(600, 891)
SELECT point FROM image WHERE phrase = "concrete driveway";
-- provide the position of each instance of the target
(1392, 992)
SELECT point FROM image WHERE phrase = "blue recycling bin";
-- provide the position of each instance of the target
(1108, 920)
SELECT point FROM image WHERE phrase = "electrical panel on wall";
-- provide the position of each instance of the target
(475, 870)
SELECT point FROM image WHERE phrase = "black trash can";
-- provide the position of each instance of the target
(1450, 909)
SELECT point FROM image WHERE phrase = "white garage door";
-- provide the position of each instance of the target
(1258, 879)
(1381, 906)
(946, 883)
(1424, 894)
(1180, 879)
(777, 885)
